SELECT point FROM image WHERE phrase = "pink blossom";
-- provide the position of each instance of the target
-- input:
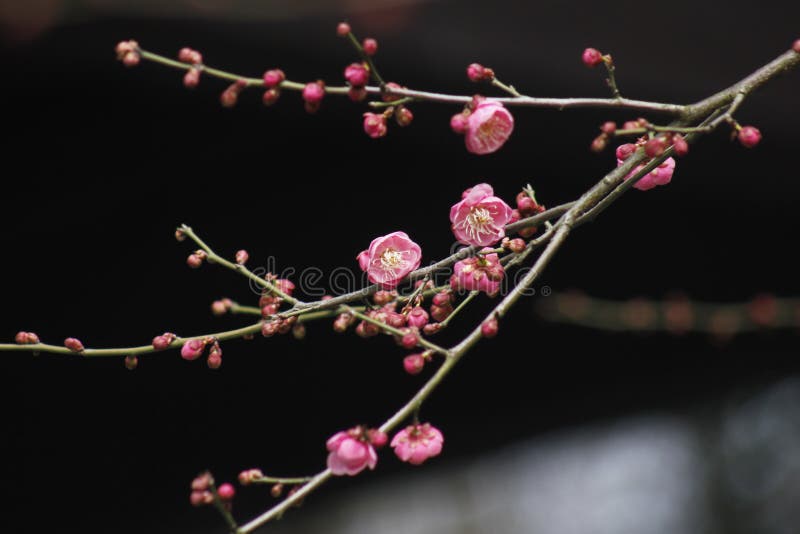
(192, 349)
(418, 317)
(350, 452)
(661, 175)
(356, 75)
(389, 259)
(416, 443)
(478, 273)
(374, 125)
(478, 219)
(488, 127)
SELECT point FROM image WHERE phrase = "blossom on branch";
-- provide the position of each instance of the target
(416, 443)
(488, 127)
(352, 451)
(478, 219)
(389, 259)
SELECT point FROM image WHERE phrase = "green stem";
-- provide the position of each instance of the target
(461, 306)
(507, 88)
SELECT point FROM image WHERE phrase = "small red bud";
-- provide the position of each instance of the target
(431, 328)
(749, 136)
(273, 78)
(377, 438)
(489, 328)
(654, 147)
(592, 57)
(242, 256)
(342, 29)
(194, 260)
(226, 492)
(357, 94)
(192, 78)
(131, 59)
(409, 339)
(370, 46)
(442, 298)
(218, 307)
(403, 116)
(161, 342)
(276, 490)
(516, 245)
(299, 331)
(180, 235)
(356, 75)
(599, 143)
(625, 151)
(476, 72)
(73, 344)
(458, 123)
(608, 127)
(270, 96)
(229, 96)
(679, 145)
(270, 328)
(796, 46)
(413, 363)
(131, 362)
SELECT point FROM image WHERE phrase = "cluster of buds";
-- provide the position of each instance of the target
(478, 73)
(478, 273)
(386, 315)
(273, 79)
(515, 245)
(278, 325)
(128, 52)
(271, 303)
(194, 348)
(192, 77)
(203, 491)
(607, 130)
(441, 308)
(26, 338)
(230, 95)
(196, 259)
(527, 206)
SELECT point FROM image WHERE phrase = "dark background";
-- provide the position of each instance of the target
(102, 162)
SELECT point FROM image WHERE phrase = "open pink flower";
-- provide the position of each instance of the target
(389, 259)
(488, 127)
(478, 219)
(478, 273)
(416, 443)
(351, 452)
(661, 175)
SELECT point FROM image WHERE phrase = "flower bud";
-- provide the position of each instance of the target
(489, 328)
(242, 256)
(273, 78)
(370, 46)
(591, 57)
(413, 363)
(749, 136)
(403, 116)
(342, 29)
(131, 362)
(226, 492)
(73, 344)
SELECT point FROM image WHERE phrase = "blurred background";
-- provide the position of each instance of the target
(549, 428)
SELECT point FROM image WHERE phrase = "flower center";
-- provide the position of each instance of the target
(479, 221)
(391, 259)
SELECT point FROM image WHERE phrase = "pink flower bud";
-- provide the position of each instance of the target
(73, 344)
(442, 298)
(276, 490)
(123, 47)
(397, 320)
(131, 362)
(365, 329)
(375, 125)
(161, 342)
(270, 96)
(440, 313)
(192, 78)
(226, 492)
(432, 328)
(476, 72)
(488, 127)
(249, 476)
(679, 145)
(219, 307)
(489, 328)
(284, 285)
(273, 78)
(403, 116)
(214, 360)
(796, 46)
(270, 328)
(356, 75)
(343, 322)
(516, 245)
(370, 46)
(229, 96)
(131, 59)
(409, 339)
(749, 136)
(180, 235)
(342, 29)
(591, 57)
(201, 498)
(608, 127)
(599, 143)
(313, 92)
(242, 256)
(417, 317)
(26, 338)
(654, 147)
(194, 260)
(525, 204)
(187, 55)
(192, 349)
(458, 123)
(413, 363)
(202, 481)
(377, 438)
(381, 297)
(625, 151)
